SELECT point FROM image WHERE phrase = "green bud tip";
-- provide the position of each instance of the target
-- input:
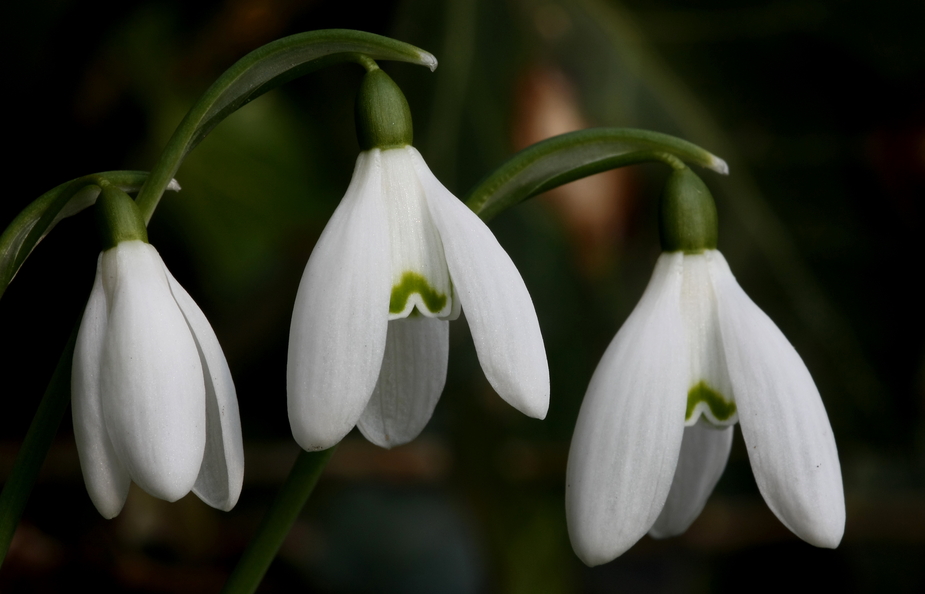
(118, 217)
(383, 119)
(686, 214)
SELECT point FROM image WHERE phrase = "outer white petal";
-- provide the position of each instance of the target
(410, 382)
(787, 433)
(106, 479)
(222, 472)
(628, 435)
(704, 452)
(339, 322)
(492, 293)
(151, 378)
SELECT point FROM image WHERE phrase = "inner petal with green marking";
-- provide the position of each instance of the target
(420, 278)
(713, 406)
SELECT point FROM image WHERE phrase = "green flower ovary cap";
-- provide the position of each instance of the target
(118, 217)
(383, 119)
(686, 214)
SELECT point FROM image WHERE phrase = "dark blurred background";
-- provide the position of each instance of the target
(819, 108)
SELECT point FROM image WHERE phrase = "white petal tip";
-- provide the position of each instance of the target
(109, 509)
(314, 443)
(429, 60)
(823, 534)
(173, 186)
(378, 440)
(718, 165)
(592, 555)
(537, 409)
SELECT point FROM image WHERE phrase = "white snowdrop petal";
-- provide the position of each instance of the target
(786, 430)
(222, 472)
(494, 298)
(704, 453)
(339, 321)
(626, 442)
(151, 384)
(107, 481)
(410, 382)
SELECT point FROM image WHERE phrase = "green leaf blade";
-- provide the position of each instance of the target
(568, 157)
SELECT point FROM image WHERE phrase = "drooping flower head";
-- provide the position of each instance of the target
(695, 357)
(400, 257)
(152, 396)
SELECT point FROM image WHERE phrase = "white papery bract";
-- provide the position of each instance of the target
(152, 396)
(655, 428)
(369, 339)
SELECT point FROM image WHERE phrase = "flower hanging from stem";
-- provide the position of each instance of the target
(400, 257)
(694, 358)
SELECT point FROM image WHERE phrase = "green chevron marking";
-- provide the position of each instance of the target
(721, 408)
(410, 283)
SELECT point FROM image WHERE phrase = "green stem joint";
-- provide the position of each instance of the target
(118, 217)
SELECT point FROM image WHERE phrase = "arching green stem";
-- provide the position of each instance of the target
(260, 71)
(567, 157)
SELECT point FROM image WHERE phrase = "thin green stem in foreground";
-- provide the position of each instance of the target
(35, 447)
(279, 520)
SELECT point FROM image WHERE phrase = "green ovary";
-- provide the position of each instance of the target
(722, 409)
(410, 283)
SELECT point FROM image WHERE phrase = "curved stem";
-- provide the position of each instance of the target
(279, 520)
(487, 208)
(35, 447)
(266, 68)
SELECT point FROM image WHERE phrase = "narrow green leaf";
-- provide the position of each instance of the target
(37, 219)
(567, 157)
(263, 70)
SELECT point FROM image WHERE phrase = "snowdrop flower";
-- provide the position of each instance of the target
(695, 357)
(401, 255)
(152, 396)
